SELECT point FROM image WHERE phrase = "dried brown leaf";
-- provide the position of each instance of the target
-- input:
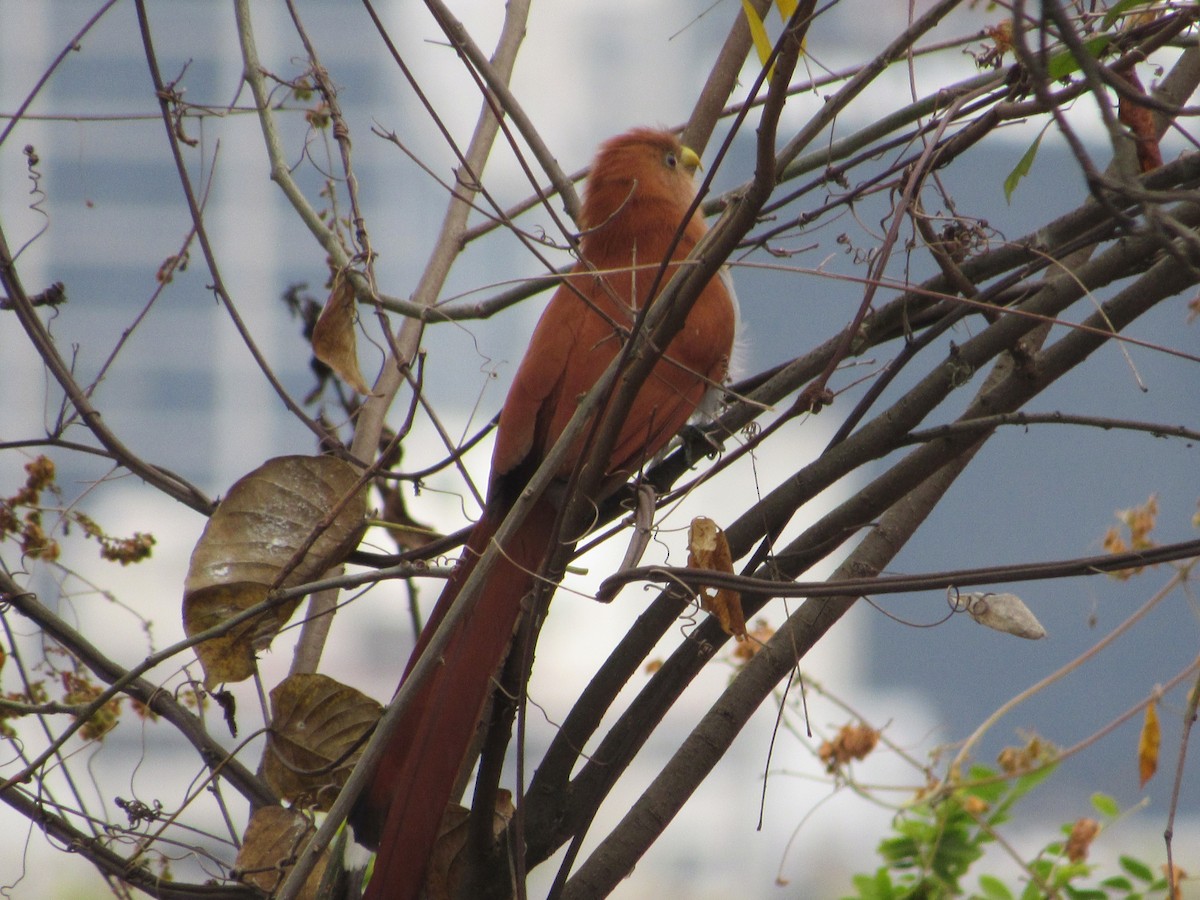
(1083, 832)
(708, 549)
(274, 838)
(333, 340)
(446, 865)
(975, 806)
(1139, 521)
(315, 737)
(757, 638)
(262, 523)
(853, 741)
(1174, 875)
(1036, 752)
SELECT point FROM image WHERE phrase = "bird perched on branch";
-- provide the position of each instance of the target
(634, 219)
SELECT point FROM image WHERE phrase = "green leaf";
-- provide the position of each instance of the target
(1029, 781)
(874, 887)
(1063, 63)
(990, 792)
(1136, 868)
(1117, 883)
(1066, 872)
(898, 850)
(1022, 785)
(993, 888)
(979, 772)
(1023, 167)
(1043, 868)
(1105, 805)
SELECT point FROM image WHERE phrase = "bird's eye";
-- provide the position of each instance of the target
(670, 159)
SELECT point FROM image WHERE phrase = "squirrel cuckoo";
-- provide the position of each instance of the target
(635, 201)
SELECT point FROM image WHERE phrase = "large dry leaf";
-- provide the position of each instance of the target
(708, 549)
(273, 840)
(333, 340)
(259, 527)
(315, 737)
(446, 864)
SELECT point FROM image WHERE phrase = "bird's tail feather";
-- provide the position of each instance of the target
(402, 809)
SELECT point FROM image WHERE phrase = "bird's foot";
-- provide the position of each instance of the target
(698, 444)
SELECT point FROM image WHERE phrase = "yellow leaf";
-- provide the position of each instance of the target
(758, 32)
(1148, 744)
(786, 8)
(708, 549)
(333, 339)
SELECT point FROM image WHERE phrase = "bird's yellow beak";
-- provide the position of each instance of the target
(690, 160)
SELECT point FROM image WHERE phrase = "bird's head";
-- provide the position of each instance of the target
(638, 171)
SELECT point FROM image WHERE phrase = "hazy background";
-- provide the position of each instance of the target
(185, 394)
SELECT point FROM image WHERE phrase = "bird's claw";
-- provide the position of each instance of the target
(814, 398)
(698, 444)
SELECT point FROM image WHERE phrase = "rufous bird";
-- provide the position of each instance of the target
(636, 199)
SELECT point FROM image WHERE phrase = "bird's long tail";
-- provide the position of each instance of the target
(401, 810)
